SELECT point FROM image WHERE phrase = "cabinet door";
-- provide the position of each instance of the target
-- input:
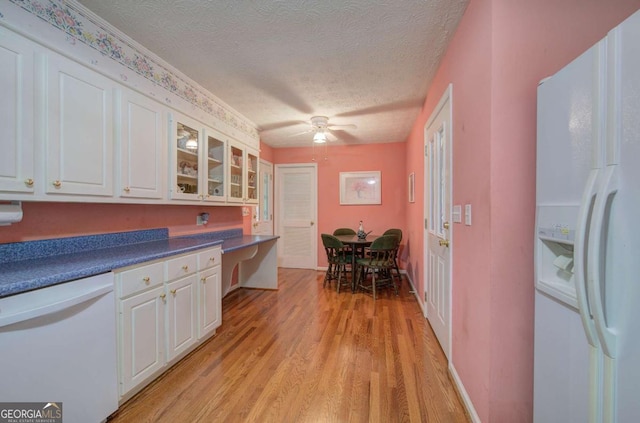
(143, 336)
(16, 113)
(181, 315)
(251, 176)
(142, 146)
(236, 178)
(209, 301)
(184, 144)
(79, 141)
(214, 155)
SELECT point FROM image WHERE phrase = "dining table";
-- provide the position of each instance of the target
(357, 245)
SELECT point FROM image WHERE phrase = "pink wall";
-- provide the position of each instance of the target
(266, 152)
(499, 53)
(54, 220)
(389, 159)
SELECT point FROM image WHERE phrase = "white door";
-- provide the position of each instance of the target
(263, 217)
(296, 212)
(438, 231)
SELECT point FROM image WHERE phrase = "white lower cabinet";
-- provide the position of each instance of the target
(141, 327)
(181, 316)
(165, 309)
(142, 337)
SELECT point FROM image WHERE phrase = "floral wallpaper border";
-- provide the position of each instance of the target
(75, 24)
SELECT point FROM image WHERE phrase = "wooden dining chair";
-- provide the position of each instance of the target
(398, 234)
(344, 231)
(379, 261)
(338, 258)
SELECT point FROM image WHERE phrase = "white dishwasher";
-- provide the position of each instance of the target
(58, 344)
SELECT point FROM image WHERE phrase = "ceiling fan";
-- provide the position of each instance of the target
(321, 129)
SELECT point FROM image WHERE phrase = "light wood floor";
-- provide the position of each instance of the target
(306, 354)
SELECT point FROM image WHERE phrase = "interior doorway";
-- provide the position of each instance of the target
(296, 215)
(438, 234)
(263, 217)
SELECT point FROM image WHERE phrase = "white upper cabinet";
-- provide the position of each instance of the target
(79, 136)
(243, 174)
(16, 113)
(70, 133)
(185, 139)
(213, 163)
(142, 142)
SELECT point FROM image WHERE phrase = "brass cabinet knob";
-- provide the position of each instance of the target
(127, 189)
(29, 182)
(173, 291)
(203, 280)
(185, 268)
(163, 296)
(445, 225)
(443, 243)
(57, 184)
(146, 279)
(212, 259)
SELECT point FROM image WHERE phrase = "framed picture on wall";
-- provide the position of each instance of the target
(360, 188)
(412, 187)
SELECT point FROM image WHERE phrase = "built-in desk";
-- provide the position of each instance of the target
(257, 259)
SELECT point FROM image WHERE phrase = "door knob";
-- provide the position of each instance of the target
(445, 225)
(312, 223)
(443, 243)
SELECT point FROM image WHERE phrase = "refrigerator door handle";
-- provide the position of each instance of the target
(595, 278)
(585, 216)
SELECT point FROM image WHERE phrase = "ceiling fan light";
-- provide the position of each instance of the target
(192, 144)
(319, 138)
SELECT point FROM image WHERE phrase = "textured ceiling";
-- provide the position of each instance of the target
(362, 62)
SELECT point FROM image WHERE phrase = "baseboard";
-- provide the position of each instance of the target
(415, 292)
(462, 393)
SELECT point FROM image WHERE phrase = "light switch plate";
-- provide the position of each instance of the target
(467, 214)
(457, 214)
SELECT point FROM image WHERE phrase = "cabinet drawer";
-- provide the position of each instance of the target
(139, 279)
(181, 266)
(209, 258)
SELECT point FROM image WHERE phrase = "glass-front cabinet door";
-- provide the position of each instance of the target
(185, 142)
(214, 156)
(236, 174)
(243, 174)
(252, 177)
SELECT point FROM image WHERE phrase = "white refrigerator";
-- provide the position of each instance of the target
(587, 239)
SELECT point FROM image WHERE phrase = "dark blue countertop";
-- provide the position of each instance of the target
(25, 266)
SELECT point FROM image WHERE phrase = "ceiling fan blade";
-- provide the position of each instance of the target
(382, 108)
(350, 125)
(301, 133)
(343, 135)
(278, 125)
